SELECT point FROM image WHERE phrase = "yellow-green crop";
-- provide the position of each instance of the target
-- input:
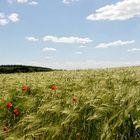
(101, 104)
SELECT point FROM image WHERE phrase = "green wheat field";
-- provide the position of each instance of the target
(101, 104)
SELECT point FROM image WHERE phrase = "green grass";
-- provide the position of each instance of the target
(107, 105)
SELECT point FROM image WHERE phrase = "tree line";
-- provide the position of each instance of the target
(22, 68)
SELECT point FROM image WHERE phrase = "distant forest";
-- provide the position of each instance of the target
(22, 68)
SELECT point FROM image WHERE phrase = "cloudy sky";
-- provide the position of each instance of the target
(70, 34)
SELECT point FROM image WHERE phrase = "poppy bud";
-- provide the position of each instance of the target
(16, 112)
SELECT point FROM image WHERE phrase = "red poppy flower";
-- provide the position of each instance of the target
(5, 129)
(53, 87)
(9, 104)
(74, 99)
(24, 88)
(16, 112)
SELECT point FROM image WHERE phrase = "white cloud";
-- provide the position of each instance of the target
(134, 50)
(5, 19)
(3, 22)
(68, 40)
(122, 10)
(46, 49)
(32, 39)
(69, 1)
(116, 43)
(78, 53)
(14, 17)
(33, 3)
(22, 1)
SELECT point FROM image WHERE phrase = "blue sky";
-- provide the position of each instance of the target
(70, 34)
